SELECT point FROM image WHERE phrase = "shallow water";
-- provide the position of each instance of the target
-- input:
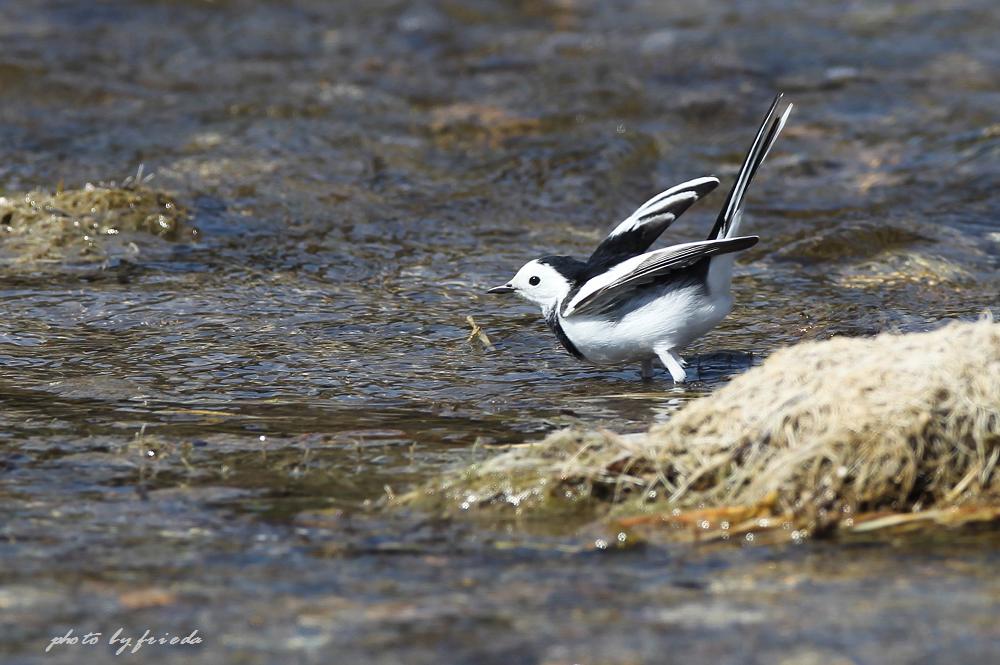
(359, 176)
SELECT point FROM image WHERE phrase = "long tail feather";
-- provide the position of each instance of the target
(728, 222)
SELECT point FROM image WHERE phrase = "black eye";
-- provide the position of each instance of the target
(534, 280)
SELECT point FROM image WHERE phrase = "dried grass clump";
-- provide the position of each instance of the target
(85, 224)
(830, 434)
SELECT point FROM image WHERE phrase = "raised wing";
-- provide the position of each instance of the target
(641, 229)
(645, 269)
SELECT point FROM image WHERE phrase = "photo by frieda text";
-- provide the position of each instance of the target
(122, 642)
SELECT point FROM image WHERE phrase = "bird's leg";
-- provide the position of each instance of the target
(647, 369)
(674, 364)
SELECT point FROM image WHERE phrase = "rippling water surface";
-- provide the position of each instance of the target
(197, 442)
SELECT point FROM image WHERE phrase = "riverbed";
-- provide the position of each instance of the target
(199, 431)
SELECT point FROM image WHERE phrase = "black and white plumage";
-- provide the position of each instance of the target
(627, 304)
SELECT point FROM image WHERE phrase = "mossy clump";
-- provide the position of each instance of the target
(89, 223)
(480, 124)
(822, 436)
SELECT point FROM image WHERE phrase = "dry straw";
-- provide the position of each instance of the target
(840, 434)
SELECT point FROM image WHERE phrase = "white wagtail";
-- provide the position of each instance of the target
(625, 304)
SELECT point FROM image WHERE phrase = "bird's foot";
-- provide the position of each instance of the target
(647, 370)
(674, 364)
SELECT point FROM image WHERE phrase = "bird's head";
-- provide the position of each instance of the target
(539, 281)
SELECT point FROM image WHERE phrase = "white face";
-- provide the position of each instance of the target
(539, 283)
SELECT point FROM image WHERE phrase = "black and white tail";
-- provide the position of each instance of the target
(728, 223)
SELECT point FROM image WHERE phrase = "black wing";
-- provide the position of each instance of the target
(641, 229)
(639, 271)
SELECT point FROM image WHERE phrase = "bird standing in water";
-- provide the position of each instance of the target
(626, 304)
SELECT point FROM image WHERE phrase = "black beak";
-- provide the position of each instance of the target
(506, 288)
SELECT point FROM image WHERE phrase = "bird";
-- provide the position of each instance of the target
(626, 304)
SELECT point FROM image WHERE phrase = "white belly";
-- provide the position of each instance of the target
(671, 321)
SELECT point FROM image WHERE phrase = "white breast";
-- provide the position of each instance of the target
(672, 320)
